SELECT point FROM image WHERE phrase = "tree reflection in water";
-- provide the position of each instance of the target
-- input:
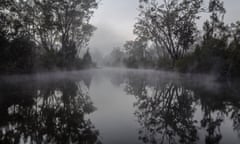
(166, 114)
(52, 112)
(167, 111)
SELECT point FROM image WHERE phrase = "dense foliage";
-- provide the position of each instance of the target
(218, 51)
(170, 25)
(50, 32)
(168, 38)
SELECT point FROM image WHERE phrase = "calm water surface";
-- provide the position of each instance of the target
(117, 106)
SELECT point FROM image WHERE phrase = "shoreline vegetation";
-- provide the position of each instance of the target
(168, 38)
(45, 36)
(41, 35)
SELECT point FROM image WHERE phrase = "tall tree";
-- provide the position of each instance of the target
(215, 28)
(57, 26)
(171, 25)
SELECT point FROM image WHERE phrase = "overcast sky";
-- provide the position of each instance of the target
(114, 20)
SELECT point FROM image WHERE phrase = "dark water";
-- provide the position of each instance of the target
(113, 106)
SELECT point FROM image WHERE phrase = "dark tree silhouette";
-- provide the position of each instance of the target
(171, 25)
(59, 29)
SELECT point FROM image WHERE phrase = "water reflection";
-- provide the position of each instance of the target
(133, 107)
(179, 112)
(47, 112)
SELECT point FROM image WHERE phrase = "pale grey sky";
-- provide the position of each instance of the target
(114, 20)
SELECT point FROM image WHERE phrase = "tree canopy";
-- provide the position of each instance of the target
(171, 25)
(59, 28)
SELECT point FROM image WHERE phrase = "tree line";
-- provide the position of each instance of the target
(40, 35)
(167, 37)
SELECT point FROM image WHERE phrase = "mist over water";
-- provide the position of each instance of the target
(118, 106)
(108, 72)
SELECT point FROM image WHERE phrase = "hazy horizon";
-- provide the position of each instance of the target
(114, 21)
